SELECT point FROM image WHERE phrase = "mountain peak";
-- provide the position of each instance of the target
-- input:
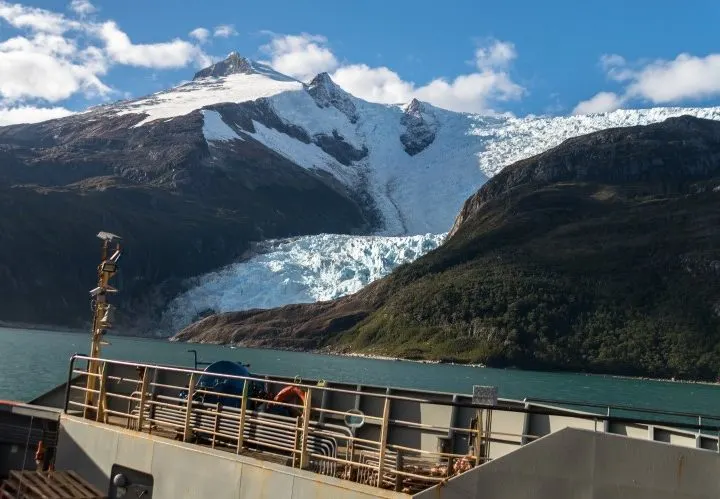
(415, 108)
(234, 63)
(327, 93)
(323, 79)
(421, 127)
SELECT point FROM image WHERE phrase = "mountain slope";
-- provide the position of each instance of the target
(238, 155)
(600, 254)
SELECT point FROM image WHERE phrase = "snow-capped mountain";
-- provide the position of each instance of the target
(415, 162)
(243, 154)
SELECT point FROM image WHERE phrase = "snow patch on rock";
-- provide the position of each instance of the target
(215, 129)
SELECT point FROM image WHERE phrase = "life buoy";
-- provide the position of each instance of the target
(288, 391)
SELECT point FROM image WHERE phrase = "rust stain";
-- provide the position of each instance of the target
(681, 464)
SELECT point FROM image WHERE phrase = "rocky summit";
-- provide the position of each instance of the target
(601, 254)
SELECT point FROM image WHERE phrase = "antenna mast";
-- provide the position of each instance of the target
(102, 313)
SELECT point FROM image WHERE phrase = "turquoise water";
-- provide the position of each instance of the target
(33, 362)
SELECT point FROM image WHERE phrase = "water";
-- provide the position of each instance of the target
(33, 362)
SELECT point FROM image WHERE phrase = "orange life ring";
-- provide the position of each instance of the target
(286, 392)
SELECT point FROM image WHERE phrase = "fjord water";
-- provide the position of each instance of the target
(34, 361)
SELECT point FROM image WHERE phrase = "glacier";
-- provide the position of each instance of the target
(417, 192)
(298, 270)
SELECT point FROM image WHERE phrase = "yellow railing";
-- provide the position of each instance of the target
(167, 401)
(389, 446)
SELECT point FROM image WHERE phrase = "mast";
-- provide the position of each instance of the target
(102, 314)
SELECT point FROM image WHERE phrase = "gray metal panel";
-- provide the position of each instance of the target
(574, 463)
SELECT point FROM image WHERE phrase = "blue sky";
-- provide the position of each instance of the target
(523, 57)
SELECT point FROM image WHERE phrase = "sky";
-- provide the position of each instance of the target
(520, 57)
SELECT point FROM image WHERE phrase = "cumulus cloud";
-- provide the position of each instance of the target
(224, 31)
(30, 114)
(55, 57)
(26, 64)
(602, 102)
(35, 19)
(662, 82)
(174, 54)
(82, 7)
(686, 77)
(200, 34)
(374, 84)
(496, 55)
(303, 56)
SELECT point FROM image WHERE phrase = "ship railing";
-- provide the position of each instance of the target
(402, 441)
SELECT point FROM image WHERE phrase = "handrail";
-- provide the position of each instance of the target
(449, 403)
(620, 407)
(307, 440)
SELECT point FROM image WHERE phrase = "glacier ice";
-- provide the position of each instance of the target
(299, 270)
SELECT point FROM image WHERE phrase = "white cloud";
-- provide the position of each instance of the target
(374, 84)
(30, 114)
(200, 34)
(497, 55)
(35, 19)
(603, 102)
(225, 31)
(663, 82)
(471, 93)
(301, 56)
(26, 64)
(685, 77)
(82, 7)
(55, 57)
(174, 54)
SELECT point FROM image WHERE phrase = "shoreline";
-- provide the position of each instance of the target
(360, 355)
(42, 327)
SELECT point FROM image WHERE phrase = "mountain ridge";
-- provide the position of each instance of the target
(254, 155)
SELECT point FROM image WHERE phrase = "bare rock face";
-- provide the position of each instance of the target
(326, 94)
(233, 64)
(420, 127)
(191, 208)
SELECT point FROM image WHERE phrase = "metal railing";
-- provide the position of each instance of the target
(322, 430)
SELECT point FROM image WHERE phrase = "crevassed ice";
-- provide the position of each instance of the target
(512, 139)
(299, 270)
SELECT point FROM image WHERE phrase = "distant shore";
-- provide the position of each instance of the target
(325, 351)
(42, 327)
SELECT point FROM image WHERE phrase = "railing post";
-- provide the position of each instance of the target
(216, 424)
(243, 411)
(143, 397)
(478, 436)
(383, 440)
(69, 383)
(102, 402)
(188, 410)
(399, 467)
(304, 458)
